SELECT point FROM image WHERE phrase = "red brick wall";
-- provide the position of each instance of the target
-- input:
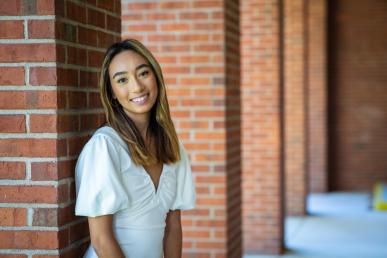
(50, 53)
(295, 105)
(358, 94)
(197, 45)
(317, 96)
(262, 134)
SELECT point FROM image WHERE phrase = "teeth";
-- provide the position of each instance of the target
(139, 99)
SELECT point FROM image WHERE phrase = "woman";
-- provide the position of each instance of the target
(133, 176)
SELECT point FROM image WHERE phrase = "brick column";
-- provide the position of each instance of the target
(50, 54)
(262, 138)
(197, 44)
(295, 39)
(317, 97)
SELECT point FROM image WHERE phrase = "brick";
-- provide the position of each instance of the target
(76, 144)
(63, 193)
(194, 60)
(106, 5)
(12, 124)
(29, 147)
(193, 16)
(87, 36)
(163, 38)
(77, 99)
(45, 217)
(207, 4)
(43, 76)
(10, 7)
(13, 256)
(43, 123)
(67, 215)
(65, 31)
(139, 6)
(88, 79)
(132, 16)
(91, 121)
(28, 194)
(13, 217)
(104, 39)
(68, 123)
(76, 55)
(11, 29)
(175, 27)
(95, 58)
(41, 29)
(25, 239)
(79, 231)
(143, 27)
(33, 52)
(174, 5)
(195, 81)
(94, 100)
(117, 6)
(113, 23)
(195, 37)
(72, 191)
(12, 76)
(45, 7)
(76, 12)
(62, 99)
(160, 16)
(46, 171)
(61, 53)
(68, 77)
(12, 170)
(96, 18)
(28, 99)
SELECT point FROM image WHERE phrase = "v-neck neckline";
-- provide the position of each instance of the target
(155, 189)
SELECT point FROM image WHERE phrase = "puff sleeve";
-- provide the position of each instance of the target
(98, 181)
(185, 191)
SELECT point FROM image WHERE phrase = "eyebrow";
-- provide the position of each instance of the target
(137, 68)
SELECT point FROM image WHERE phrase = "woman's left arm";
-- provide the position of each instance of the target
(173, 235)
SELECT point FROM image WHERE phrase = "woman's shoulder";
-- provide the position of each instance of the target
(107, 133)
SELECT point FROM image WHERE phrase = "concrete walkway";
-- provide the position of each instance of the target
(339, 225)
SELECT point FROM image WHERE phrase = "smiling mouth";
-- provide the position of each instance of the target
(141, 98)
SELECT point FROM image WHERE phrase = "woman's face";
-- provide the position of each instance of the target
(133, 83)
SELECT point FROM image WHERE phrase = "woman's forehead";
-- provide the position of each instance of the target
(128, 60)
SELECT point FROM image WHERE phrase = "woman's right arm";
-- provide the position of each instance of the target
(102, 237)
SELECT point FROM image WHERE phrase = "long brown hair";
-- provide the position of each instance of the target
(160, 125)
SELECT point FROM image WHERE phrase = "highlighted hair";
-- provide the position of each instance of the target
(160, 125)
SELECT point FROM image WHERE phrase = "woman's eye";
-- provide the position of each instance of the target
(121, 80)
(144, 73)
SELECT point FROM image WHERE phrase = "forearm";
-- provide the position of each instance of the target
(173, 235)
(173, 243)
(107, 247)
(102, 237)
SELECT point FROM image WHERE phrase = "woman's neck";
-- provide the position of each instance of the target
(142, 124)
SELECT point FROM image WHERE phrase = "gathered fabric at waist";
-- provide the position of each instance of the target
(136, 243)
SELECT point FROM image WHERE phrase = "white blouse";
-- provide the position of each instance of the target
(108, 182)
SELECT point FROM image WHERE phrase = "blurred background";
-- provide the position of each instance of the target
(282, 105)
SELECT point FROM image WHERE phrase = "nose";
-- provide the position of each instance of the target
(135, 85)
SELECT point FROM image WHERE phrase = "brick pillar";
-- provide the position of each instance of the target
(197, 44)
(317, 97)
(50, 54)
(262, 138)
(295, 105)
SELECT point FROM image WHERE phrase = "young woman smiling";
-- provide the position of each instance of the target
(133, 176)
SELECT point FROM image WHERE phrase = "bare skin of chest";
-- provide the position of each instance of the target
(154, 172)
